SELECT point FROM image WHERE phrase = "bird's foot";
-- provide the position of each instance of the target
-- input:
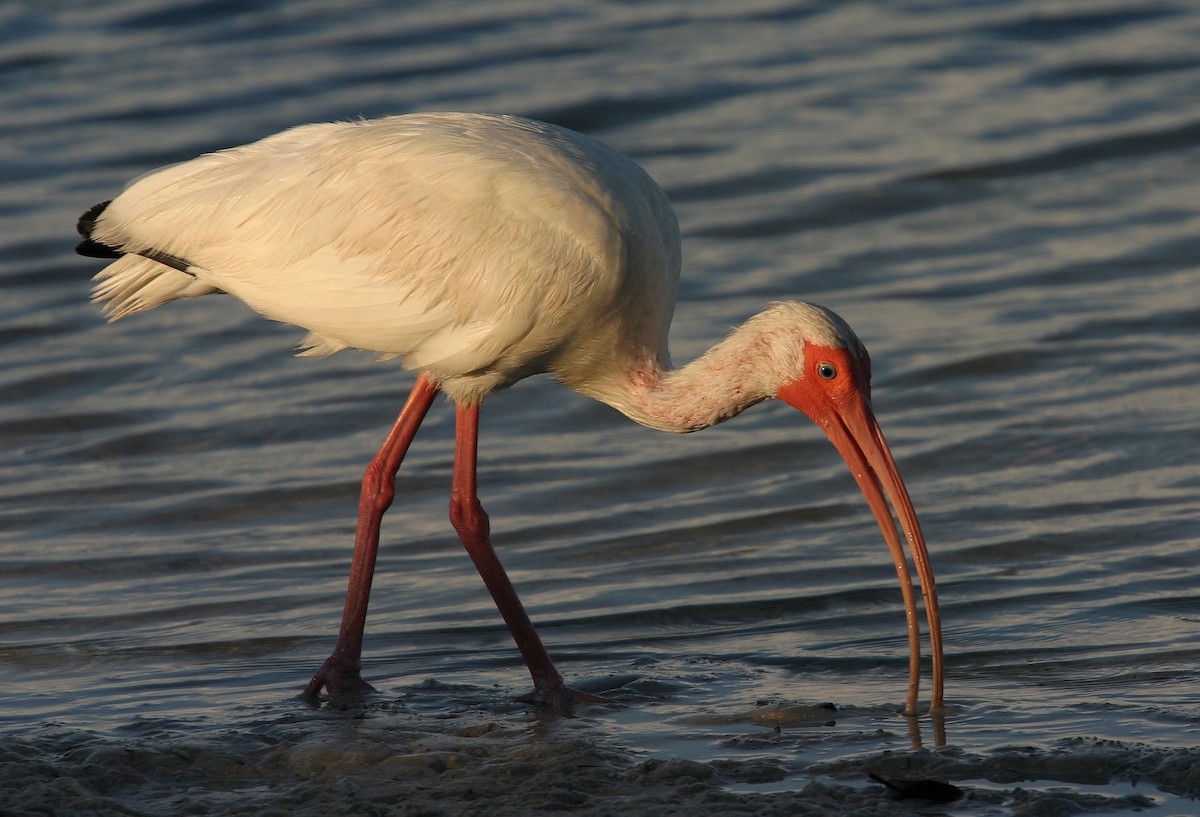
(342, 679)
(560, 697)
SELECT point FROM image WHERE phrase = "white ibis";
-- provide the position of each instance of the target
(482, 250)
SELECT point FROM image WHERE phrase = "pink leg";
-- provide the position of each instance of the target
(471, 521)
(341, 672)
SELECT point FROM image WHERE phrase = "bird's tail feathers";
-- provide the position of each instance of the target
(134, 284)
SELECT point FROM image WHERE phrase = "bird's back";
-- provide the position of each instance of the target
(481, 249)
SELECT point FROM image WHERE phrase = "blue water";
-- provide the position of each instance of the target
(1000, 197)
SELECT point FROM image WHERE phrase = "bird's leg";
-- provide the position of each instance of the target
(471, 521)
(341, 674)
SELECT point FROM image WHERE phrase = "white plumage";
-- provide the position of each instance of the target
(463, 244)
(482, 250)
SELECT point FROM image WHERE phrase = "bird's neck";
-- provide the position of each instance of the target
(723, 382)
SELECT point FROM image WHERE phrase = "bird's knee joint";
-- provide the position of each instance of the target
(468, 516)
(378, 486)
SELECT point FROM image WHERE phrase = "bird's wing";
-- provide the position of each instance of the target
(457, 244)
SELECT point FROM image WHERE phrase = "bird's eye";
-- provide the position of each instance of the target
(826, 371)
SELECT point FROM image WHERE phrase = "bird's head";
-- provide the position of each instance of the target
(812, 352)
(825, 372)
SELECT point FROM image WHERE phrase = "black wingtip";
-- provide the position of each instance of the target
(94, 249)
(90, 247)
(87, 222)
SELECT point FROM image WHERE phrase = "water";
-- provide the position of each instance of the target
(999, 196)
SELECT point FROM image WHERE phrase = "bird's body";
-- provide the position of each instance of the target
(481, 250)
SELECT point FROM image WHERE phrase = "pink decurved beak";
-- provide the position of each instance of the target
(852, 428)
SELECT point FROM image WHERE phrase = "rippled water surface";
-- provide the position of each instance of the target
(1002, 199)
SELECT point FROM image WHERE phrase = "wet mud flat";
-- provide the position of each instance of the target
(386, 759)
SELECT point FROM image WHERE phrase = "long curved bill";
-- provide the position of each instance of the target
(853, 430)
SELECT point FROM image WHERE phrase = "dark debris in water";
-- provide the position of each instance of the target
(935, 791)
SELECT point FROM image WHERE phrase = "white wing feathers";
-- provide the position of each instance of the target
(453, 243)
